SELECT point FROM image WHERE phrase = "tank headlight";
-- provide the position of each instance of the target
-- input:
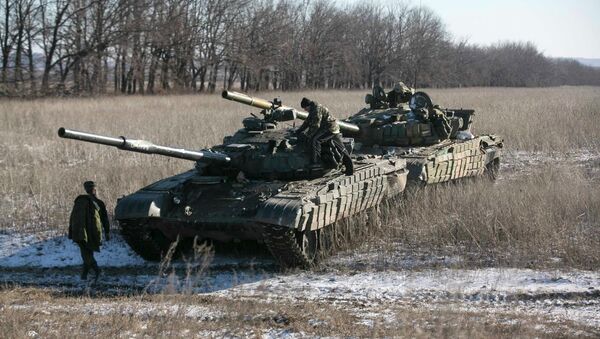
(176, 200)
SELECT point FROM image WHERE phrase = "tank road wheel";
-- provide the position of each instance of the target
(290, 247)
(309, 244)
(149, 243)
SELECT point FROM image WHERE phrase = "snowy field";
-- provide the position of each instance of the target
(367, 289)
(369, 285)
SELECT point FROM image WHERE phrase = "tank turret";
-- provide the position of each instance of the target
(260, 150)
(276, 107)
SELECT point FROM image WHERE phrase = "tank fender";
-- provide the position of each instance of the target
(143, 204)
(281, 211)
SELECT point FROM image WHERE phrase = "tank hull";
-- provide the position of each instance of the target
(449, 160)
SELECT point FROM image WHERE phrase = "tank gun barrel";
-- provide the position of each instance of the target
(247, 100)
(264, 104)
(141, 146)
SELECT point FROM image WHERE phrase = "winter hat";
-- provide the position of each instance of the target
(305, 102)
(89, 185)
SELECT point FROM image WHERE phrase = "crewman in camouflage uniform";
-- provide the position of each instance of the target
(399, 95)
(441, 124)
(321, 126)
(88, 219)
(422, 109)
(377, 99)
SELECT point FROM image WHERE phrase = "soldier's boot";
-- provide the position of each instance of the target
(348, 165)
(96, 272)
(84, 272)
(315, 159)
(315, 162)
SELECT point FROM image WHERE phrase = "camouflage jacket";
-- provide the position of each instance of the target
(440, 122)
(396, 98)
(319, 118)
(88, 219)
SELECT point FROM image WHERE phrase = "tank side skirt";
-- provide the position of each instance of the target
(335, 200)
(465, 159)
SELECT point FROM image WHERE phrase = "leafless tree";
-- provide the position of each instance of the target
(152, 46)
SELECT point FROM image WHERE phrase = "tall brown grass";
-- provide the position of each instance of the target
(550, 219)
(557, 209)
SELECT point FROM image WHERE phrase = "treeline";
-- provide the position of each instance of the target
(151, 46)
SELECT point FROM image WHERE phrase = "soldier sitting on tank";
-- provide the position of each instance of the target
(399, 95)
(377, 100)
(321, 126)
(422, 109)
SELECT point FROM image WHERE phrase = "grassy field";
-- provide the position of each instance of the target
(216, 317)
(543, 211)
(553, 212)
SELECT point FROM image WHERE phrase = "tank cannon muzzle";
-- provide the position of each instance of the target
(264, 104)
(247, 100)
(142, 146)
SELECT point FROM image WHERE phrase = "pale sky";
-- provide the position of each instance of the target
(566, 28)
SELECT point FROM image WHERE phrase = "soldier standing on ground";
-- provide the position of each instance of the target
(88, 219)
(399, 95)
(320, 127)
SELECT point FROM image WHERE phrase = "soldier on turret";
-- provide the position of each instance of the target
(321, 126)
(377, 100)
(399, 95)
(422, 109)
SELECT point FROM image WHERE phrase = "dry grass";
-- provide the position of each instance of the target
(36, 313)
(553, 212)
(548, 219)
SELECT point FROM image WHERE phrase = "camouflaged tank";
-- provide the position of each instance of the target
(431, 157)
(257, 185)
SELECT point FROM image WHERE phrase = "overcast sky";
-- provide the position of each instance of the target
(566, 28)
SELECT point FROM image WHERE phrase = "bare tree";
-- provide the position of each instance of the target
(7, 35)
(199, 45)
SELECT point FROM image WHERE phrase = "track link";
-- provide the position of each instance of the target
(283, 245)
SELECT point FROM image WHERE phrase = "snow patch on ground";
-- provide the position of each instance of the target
(526, 162)
(480, 284)
(561, 295)
(48, 250)
(363, 277)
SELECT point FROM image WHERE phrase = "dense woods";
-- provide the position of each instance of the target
(86, 47)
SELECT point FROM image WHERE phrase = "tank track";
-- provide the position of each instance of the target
(283, 245)
(142, 240)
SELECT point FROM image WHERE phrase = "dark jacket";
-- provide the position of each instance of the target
(88, 219)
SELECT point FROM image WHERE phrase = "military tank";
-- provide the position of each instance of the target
(259, 184)
(436, 143)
